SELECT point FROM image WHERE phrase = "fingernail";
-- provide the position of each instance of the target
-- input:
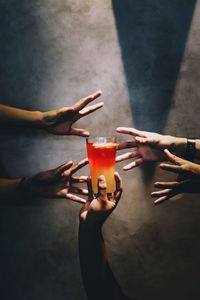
(86, 134)
(125, 169)
(156, 202)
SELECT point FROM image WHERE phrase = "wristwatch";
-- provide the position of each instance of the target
(190, 149)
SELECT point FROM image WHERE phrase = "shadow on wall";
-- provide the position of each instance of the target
(21, 64)
(23, 67)
(152, 36)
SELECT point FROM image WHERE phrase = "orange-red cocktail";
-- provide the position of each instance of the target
(101, 154)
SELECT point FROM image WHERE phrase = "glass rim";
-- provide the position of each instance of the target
(101, 139)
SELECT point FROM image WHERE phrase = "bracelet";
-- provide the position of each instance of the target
(190, 149)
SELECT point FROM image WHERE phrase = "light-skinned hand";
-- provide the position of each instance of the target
(148, 146)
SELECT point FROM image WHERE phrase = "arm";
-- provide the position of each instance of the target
(55, 183)
(98, 278)
(57, 121)
(20, 117)
(9, 186)
(149, 146)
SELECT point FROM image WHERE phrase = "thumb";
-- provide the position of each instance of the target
(173, 158)
(102, 188)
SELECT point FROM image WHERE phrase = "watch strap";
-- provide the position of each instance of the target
(190, 149)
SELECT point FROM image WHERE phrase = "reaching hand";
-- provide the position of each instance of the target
(96, 210)
(188, 180)
(57, 183)
(60, 121)
(149, 146)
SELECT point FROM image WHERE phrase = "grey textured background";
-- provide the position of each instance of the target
(144, 55)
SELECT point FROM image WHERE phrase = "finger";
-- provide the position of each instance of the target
(83, 102)
(79, 132)
(168, 195)
(62, 193)
(79, 165)
(125, 145)
(119, 187)
(63, 167)
(134, 164)
(168, 184)
(142, 140)
(77, 190)
(161, 193)
(131, 131)
(161, 199)
(88, 110)
(79, 179)
(75, 198)
(171, 168)
(173, 158)
(127, 155)
(90, 192)
(102, 188)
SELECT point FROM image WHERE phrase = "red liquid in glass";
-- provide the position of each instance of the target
(102, 162)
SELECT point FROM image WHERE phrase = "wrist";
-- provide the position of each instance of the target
(179, 146)
(24, 185)
(90, 229)
(36, 118)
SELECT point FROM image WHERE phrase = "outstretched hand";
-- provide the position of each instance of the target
(60, 121)
(188, 180)
(96, 210)
(57, 183)
(148, 146)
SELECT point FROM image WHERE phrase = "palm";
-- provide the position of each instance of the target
(63, 126)
(148, 146)
(58, 182)
(60, 121)
(96, 210)
(49, 184)
(150, 154)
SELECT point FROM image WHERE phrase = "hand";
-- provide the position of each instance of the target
(60, 121)
(149, 146)
(57, 183)
(188, 180)
(95, 211)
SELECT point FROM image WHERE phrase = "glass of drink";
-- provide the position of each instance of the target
(101, 155)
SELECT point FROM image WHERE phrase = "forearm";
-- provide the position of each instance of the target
(20, 117)
(9, 187)
(97, 277)
(178, 145)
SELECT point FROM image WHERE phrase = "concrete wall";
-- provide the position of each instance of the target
(144, 55)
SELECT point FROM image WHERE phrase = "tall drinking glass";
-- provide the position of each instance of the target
(101, 155)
